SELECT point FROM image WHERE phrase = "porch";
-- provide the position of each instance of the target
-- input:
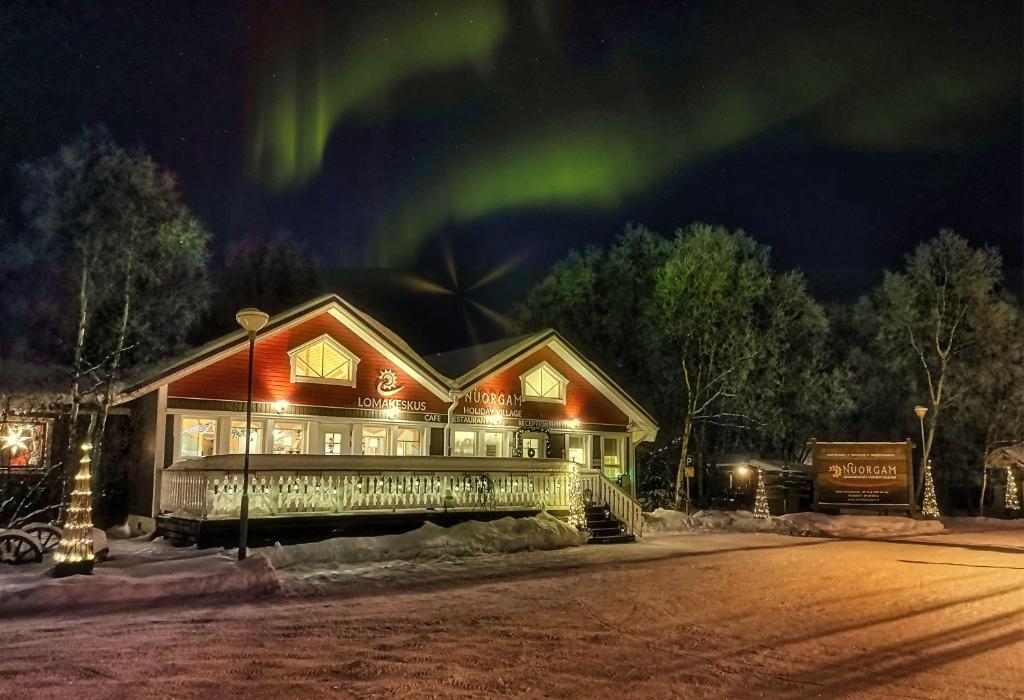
(304, 497)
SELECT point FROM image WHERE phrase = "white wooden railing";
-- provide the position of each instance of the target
(602, 490)
(211, 487)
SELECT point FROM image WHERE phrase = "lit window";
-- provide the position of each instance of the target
(236, 444)
(577, 450)
(289, 438)
(611, 456)
(198, 437)
(534, 446)
(323, 361)
(494, 444)
(332, 443)
(464, 443)
(21, 444)
(543, 383)
(375, 440)
(408, 442)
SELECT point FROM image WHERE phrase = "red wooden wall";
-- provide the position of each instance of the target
(226, 378)
(583, 401)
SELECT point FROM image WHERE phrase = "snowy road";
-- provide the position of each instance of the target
(719, 615)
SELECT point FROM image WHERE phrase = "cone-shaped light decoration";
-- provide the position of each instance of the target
(761, 498)
(577, 510)
(1012, 492)
(930, 507)
(74, 553)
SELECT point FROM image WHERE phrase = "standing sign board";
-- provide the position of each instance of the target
(876, 475)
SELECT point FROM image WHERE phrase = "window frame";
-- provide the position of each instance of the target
(338, 347)
(179, 429)
(562, 381)
(387, 438)
(304, 427)
(476, 441)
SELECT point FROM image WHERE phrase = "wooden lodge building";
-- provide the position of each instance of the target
(348, 420)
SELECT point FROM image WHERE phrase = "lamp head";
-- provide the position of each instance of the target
(920, 411)
(251, 319)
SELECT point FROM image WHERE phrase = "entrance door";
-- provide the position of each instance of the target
(534, 445)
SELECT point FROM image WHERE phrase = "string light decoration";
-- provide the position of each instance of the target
(74, 553)
(1012, 492)
(761, 498)
(929, 507)
(517, 445)
(577, 509)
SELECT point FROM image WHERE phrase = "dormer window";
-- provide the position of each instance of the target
(323, 361)
(544, 383)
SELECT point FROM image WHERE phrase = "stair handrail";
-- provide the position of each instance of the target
(622, 505)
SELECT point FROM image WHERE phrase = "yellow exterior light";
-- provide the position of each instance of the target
(281, 406)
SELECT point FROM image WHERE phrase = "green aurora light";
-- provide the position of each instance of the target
(311, 82)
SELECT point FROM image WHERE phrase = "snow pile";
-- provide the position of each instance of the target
(821, 525)
(432, 541)
(808, 524)
(217, 575)
(663, 520)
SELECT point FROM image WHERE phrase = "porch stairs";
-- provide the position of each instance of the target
(604, 527)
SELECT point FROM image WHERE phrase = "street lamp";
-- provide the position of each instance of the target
(252, 320)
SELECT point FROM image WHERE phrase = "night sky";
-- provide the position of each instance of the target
(391, 136)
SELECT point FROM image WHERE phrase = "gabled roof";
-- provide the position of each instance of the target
(232, 342)
(514, 349)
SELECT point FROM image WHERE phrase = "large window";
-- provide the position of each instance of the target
(375, 440)
(236, 442)
(289, 438)
(198, 437)
(323, 361)
(464, 443)
(409, 442)
(494, 444)
(543, 383)
(577, 449)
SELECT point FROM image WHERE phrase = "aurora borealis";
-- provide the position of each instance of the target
(530, 127)
(381, 134)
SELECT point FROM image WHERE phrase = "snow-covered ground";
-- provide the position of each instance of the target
(722, 614)
(140, 571)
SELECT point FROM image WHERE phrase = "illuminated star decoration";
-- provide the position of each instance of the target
(15, 440)
(453, 288)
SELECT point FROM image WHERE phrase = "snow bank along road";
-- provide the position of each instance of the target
(714, 615)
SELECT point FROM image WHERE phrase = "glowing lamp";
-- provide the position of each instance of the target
(742, 471)
(252, 320)
(281, 406)
(391, 413)
(574, 424)
(919, 411)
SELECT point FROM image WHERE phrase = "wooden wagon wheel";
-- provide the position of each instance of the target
(19, 547)
(48, 535)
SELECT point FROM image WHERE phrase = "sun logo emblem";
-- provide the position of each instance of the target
(387, 383)
(837, 471)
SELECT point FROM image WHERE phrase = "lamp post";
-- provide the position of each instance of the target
(252, 320)
(920, 412)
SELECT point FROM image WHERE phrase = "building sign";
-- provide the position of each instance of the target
(387, 383)
(385, 404)
(482, 402)
(870, 474)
